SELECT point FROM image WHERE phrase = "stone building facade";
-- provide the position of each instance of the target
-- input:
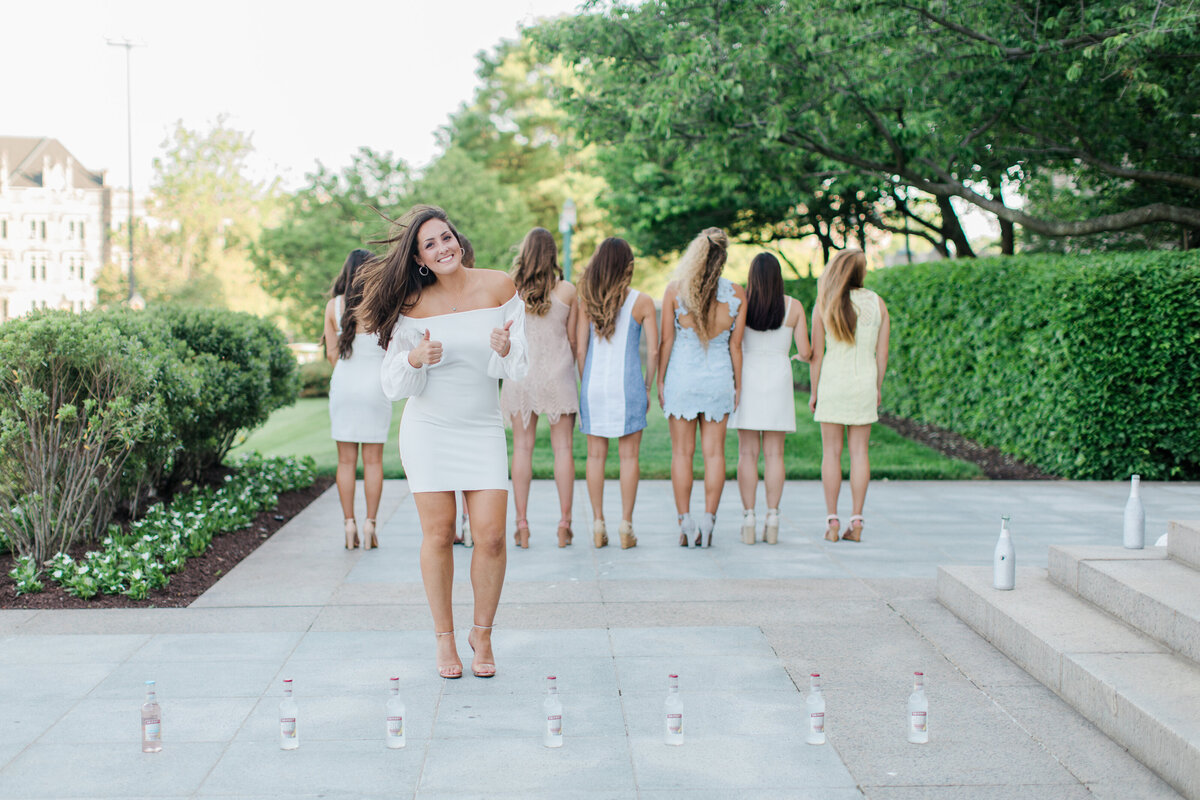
(55, 217)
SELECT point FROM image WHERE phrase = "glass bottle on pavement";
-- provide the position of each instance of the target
(151, 721)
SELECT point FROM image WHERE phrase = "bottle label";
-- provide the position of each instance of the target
(817, 722)
(554, 724)
(918, 721)
(151, 729)
(287, 727)
(675, 723)
(395, 726)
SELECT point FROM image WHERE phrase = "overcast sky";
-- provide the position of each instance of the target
(310, 81)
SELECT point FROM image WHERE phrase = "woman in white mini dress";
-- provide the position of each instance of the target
(767, 411)
(851, 329)
(450, 333)
(359, 414)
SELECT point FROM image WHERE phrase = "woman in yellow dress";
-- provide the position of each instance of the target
(847, 372)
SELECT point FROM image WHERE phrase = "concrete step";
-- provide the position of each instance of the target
(1130, 686)
(1183, 541)
(1159, 596)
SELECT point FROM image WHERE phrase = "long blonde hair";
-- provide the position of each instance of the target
(845, 272)
(697, 276)
(535, 270)
(604, 284)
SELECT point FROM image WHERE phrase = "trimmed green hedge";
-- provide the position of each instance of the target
(1087, 366)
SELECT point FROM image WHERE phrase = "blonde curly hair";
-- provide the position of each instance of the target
(697, 275)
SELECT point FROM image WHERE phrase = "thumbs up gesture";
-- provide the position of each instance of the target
(500, 339)
(427, 352)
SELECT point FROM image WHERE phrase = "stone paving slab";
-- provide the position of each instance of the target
(742, 625)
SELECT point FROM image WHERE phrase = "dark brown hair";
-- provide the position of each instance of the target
(392, 283)
(604, 284)
(346, 286)
(764, 294)
(535, 270)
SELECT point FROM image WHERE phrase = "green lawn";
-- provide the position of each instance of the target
(303, 429)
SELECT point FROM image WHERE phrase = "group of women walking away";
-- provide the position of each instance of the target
(416, 322)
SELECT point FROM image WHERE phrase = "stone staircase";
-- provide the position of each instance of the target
(1114, 632)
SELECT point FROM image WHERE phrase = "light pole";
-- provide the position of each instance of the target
(566, 225)
(128, 45)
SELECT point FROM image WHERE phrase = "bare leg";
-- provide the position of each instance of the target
(372, 456)
(562, 435)
(488, 562)
(747, 468)
(773, 468)
(347, 467)
(831, 463)
(712, 444)
(597, 453)
(522, 462)
(858, 438)
(683, 451)
(437, 512)
(628, 447)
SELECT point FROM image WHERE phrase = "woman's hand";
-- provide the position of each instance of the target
(500, 342)
(812, 402)
(661, 402)
(426, 353)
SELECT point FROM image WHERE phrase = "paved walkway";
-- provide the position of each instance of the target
(743, 626)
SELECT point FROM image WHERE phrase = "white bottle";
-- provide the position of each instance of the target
(814, 704)
(918, 711)
(1135, 516)
(673, 713)
(151, 722)
(1004, 562)
(552, 710)
(289, 737)
(395, 716)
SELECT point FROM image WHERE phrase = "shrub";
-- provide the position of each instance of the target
(246, 372)
(76, 397)
(314, 378)
(1086, 366)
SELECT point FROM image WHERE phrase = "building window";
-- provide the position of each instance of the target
(3, 308)
(3, 229)
(33, 229)
(43, 225)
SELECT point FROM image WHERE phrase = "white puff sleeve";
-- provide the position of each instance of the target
(397, 377)
(515, 365)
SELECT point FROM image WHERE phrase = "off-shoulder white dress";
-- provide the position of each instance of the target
(451, 432)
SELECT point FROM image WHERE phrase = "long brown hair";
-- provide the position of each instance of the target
(535, 270)
(845, 272)
(698, 273)
(764, 294)
(392, 283)
(346, 286)
(603, 285)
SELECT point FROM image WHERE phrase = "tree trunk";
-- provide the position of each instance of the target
(1006, 237)
(953, 229)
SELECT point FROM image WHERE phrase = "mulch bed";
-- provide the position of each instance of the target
(995, 465)
(197, 575)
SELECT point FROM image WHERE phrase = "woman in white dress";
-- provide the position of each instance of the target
(767, 411)
(359, 414)
(450, 333)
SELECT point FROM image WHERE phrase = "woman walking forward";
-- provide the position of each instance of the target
(359, 414)
(450, 333)
(700, 373)
(614, 396)
(850, 336)
(549, 388)
(767, 411)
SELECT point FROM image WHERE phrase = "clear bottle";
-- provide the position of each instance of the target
(1004, 561)
(918, 711)
(1135, 516)
(395, 716)
(289, 736)
(151, 721)
(673, 713)
(814, 704)
(552, 710)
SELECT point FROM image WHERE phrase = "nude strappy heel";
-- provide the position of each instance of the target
(481, 670)
(565, 535)
(351, 534)
(521, 534)
(370, 540)
(599, 533)
(854, 534)
(832, 524)
(771, 528)
(449, 671)
(625, 531)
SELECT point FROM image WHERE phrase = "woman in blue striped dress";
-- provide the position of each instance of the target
(615, 393)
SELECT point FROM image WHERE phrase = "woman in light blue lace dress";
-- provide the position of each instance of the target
(700, 373)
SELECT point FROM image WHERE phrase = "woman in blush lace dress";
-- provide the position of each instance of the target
(549, 388)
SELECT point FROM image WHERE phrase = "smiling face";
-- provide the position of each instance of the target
(438, 248)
